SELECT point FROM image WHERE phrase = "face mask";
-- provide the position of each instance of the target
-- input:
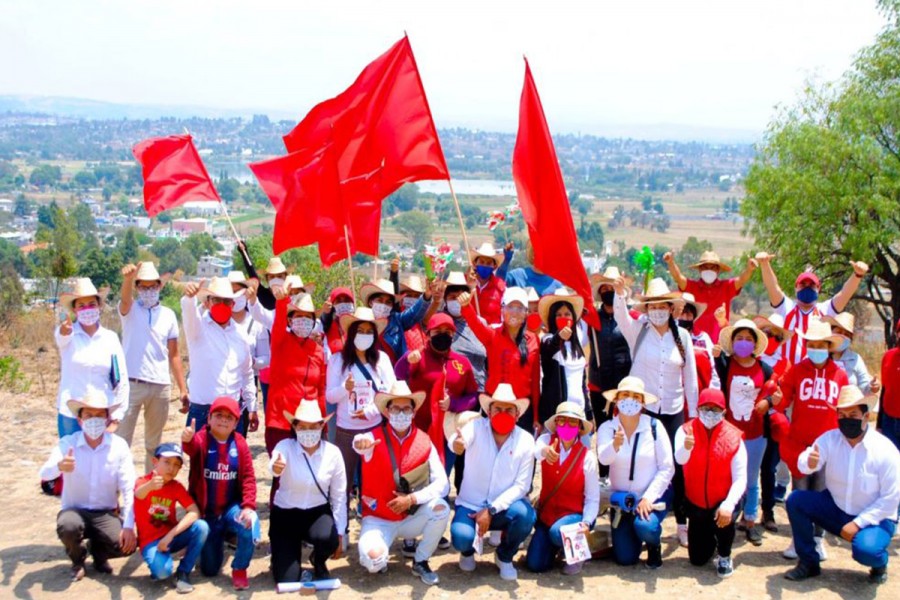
(408, 302)
(148, 298)
(743, 348)
(629, 406)
(93, 427)
(400, 421)
(562, 323)
(240, 303)
(343, 308)
(220, 313)
(817, 355)
(688, 325)
(772, 346)
(711, 418)
(277, 281)
(850, 428)
(363, 341)
(567, 433)
(454, 308)
(607, 298)
(441, 341)
(484, 271)
(845, 343)
(88, 316)
(382, 311)
(708, 275)
(658, 316)
(308, 437)
(302, 326)
(807, 295)
(503, 423)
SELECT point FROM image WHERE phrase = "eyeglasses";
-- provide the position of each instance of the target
(396, 410)
(516, 310)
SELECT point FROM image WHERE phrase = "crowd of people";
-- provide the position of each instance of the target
(370, 402)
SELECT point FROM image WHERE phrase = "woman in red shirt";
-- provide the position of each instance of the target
(889, 412)
(513, 353)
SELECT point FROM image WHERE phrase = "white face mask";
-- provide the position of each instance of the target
(658, 316)
(400, 421)
(408, 302)
(308, 437)
(708, 275)
(278, 281)
(240, 303)
(454, 308)
(363, 341)
(88, 316)
(343, 308)
(149, 297)
(629, 406)
(94, 427)
(382, 311)
(711, 418)
(302, 326)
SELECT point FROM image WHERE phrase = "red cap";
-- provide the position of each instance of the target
(439, 320)
(711, 396)
(340, 291)
(227, 404)
(807, 276)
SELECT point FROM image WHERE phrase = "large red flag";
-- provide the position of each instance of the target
(173, 173)
(543, 200)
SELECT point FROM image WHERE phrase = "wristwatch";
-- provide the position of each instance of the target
(492, 511)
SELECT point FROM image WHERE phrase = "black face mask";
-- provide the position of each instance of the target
(441, 341)
(851, 428)
(607, 297)
(689, 325)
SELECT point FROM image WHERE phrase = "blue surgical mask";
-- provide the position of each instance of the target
(484, 271)
(817, 355)
(845, 343)
(807, 295)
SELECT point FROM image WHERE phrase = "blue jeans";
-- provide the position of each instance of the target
(264, 388)
(161, 563)
(66, 425)
(807, 508)
(632, 533)
(756, 449)
(890, 428)
(200, 412)
(213, 554)
(516, 521)
(545, 543)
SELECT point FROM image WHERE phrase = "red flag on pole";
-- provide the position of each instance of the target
(543, 200)
(173, 173)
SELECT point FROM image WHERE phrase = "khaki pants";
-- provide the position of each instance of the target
(154, 399)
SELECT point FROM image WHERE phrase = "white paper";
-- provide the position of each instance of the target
(362, 395)
(575, 544)
(478, 543)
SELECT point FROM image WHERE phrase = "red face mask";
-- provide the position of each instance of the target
(503, 423)
(220, 313)
(562, 323)
(533, 322)
(772, 346)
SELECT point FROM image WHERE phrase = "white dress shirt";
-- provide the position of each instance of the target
(145, 338)
(438, 483)
(259, 339)
(261, 314)
(101, 474)
(220, 363)
(297, 489)
(653, 464)
(591, 476)
(335, 393)
(85, 362)
(494, 477)
(658, 363)
(738, 470)
(862, 479)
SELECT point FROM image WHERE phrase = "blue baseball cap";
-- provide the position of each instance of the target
(169, 449)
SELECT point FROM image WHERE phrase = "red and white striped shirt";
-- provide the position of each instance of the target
(797, 321)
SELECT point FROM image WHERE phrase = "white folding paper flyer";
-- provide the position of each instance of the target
(362, 395)
(575, 544)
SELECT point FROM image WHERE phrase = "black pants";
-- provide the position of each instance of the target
(671, 424)
(602, 414)
(771, 457)
(289, 528)
(101, 527)
(705, 538)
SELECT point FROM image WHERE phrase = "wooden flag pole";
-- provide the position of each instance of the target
(462, 228)
(350, 263)
(228, 218)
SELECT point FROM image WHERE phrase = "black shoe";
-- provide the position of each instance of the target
(803, 571)
(878, 575)
(103, 566)
(769, 521)
(321, 572)
(444, 544)
(754, 535)
(409, 548)
(779, 493)
(654, 556)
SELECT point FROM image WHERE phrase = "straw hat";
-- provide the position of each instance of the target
(503, 393)
(238, 278)
(84, 288)
(399, 390)
(219, 287)
(634, 385)
(774, 322)
(308, 411)
(454, 421)
(413, 283)
(726, 337)
(294, 282)
(850, 396)
(657, 293)
(362, 313)
(608, 277)
(710, 258)
(379, 286)
(569, 409)
(302, 302)
(486, 250)
(562, 294)
(147, 272)
(820, 331)
(515, 294)
(92, 398)
(275, 266)
(532, 295)
(699, 307)
(845, 321)
(457, 279)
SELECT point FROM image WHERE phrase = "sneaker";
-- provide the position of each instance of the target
(507, 570)
(878, 575)
(769, 521)
(573, 569)
(654, 556)
(306, 576)
(683, 535)
(496, 538)
(103, 566)
(754, 535)
(424, 572)
(779, 493)
(239, 579)
(183, 583)
(803, 571)
(409, 548)
(790, 553)
(724, 568)
(820, 549)
(467, 563)
(444, 544)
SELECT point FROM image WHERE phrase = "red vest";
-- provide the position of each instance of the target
(568, 499)
(707, 474)
(704, 369)
(378, 474)
(335, 338)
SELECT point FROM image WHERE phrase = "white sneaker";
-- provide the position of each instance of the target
(820, 548)
(790, 553)
(467, 563)
(507, 570)
(683, 536)
(496, 538)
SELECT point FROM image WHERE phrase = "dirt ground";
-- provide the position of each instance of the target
(33, 564)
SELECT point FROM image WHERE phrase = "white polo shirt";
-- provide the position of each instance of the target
(145, 339)
(86, 362)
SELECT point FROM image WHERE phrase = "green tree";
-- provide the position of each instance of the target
(130, 245)
(404, 199)
(229, 189)
(11, 255)
(22, 207)
(45, 175)
(200, 245)
(12, 294)
(416, 226)
(84, 179)
(83, 219)
(691, 250)
(57, 262)
(104, 268)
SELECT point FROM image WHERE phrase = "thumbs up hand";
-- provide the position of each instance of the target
(156, 481)
(618, 438)
(813, 459)
(551, 453)
(688, 437)
(188, 434)
(459, 444)
(278, 465)
(67, 464)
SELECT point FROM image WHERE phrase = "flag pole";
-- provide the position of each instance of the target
(462, 228)
(228, 218)
(350, 262)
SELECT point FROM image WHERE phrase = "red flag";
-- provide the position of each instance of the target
(173, 173)
(542, 198)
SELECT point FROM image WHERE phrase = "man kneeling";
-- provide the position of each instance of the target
(403, 485)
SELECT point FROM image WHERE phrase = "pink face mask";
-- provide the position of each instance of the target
(567, 433)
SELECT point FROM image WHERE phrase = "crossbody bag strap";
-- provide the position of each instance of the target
(565, 475)
(315, 479)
